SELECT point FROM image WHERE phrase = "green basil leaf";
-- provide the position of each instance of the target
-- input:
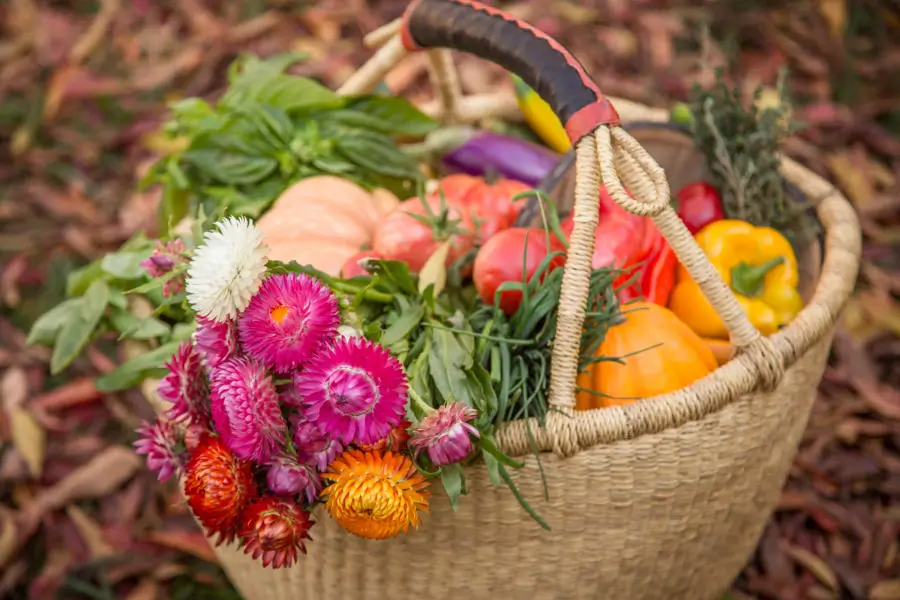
(131, 326)
(47, 326)
(132, 371)
(124, 265)
(79, 281)
(384, 114)
(77, 330)
(230, 167)
(454, 481)
(272, 122)
(378, 154)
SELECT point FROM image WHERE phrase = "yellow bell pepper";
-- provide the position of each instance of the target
(759, 265)
(540, 117)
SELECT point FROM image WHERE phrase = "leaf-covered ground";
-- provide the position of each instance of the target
(83, 88)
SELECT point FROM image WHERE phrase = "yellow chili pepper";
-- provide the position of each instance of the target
(540, 117)
(759, 265)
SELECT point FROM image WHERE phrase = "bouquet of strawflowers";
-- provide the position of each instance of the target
(277, 406)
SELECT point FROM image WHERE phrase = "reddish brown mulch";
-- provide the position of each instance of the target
(82, 91)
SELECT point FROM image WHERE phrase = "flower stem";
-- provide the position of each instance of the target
(372, 295)
(419, 402)
(748, 279)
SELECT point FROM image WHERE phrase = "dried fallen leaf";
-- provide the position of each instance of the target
(814, 565)
(13, 387)
(147, 589)
(101, 476)
(189, 542)
(90, 532)
(7, 535)
(835, 14)
(29, 438)
(885, 590)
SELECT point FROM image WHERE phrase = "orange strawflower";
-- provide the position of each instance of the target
(374, 495)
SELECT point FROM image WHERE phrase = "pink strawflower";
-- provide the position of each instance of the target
(287, 477)
(354, 391)
(215, 341)
(166, 257)
(445, 434)
(158, 443)
(289, 318)
(185, 387)
(245, 409)
(313, 447)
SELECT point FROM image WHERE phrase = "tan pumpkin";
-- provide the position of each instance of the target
(322, 221)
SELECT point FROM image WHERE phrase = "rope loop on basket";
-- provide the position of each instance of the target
(564, 438)
(769, 363)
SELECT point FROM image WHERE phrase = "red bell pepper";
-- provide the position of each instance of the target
(624, 241)
(698, 204)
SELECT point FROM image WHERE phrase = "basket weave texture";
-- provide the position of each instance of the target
(662, 498)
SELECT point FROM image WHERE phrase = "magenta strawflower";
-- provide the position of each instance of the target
(166, 256)
(290, 317)
(287, 477)
(354, 391)
(185, 387)
(445, 434)
(245, 409)
(313, 447)
(215, 341)
(158, 443)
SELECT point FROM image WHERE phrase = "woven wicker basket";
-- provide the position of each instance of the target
(662, 498)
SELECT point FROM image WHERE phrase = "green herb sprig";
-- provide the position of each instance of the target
(742, 145)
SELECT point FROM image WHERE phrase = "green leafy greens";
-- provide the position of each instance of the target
(271, 129)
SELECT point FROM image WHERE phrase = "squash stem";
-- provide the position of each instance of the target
(747, 280)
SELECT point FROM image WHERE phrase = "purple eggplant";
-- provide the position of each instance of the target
(472, 151)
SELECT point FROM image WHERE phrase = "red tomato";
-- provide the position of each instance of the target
(488, 205)
(352, 268)
(401, 236)
(500, 260)
(699, 204)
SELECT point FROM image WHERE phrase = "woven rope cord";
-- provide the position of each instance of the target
(613, 157)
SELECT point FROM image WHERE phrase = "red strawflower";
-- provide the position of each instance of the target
(396, 441)
(218, 486)
(273, 529)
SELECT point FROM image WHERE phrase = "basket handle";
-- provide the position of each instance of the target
(604, 151)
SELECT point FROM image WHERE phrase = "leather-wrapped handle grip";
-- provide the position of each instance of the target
(542, 62)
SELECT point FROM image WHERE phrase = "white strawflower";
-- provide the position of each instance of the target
(227, 269)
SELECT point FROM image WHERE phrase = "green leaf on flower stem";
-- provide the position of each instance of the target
(397, 272)
(493, 468)
(124, 265)
(454, 481)
(79, 281)
(131, 326)
(409, 318)
(46, 328)
(484, 398)
(447, 364)
(79, 328)
(434, 272)
(131, 372)
(231, 167)
(173, 207)
(390, 115)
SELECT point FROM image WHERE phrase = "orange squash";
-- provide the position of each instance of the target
(659, 354)
(322, 221)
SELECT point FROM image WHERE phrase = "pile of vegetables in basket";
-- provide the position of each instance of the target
(342, 307)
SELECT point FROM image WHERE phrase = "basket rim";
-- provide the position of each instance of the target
(579, 430)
